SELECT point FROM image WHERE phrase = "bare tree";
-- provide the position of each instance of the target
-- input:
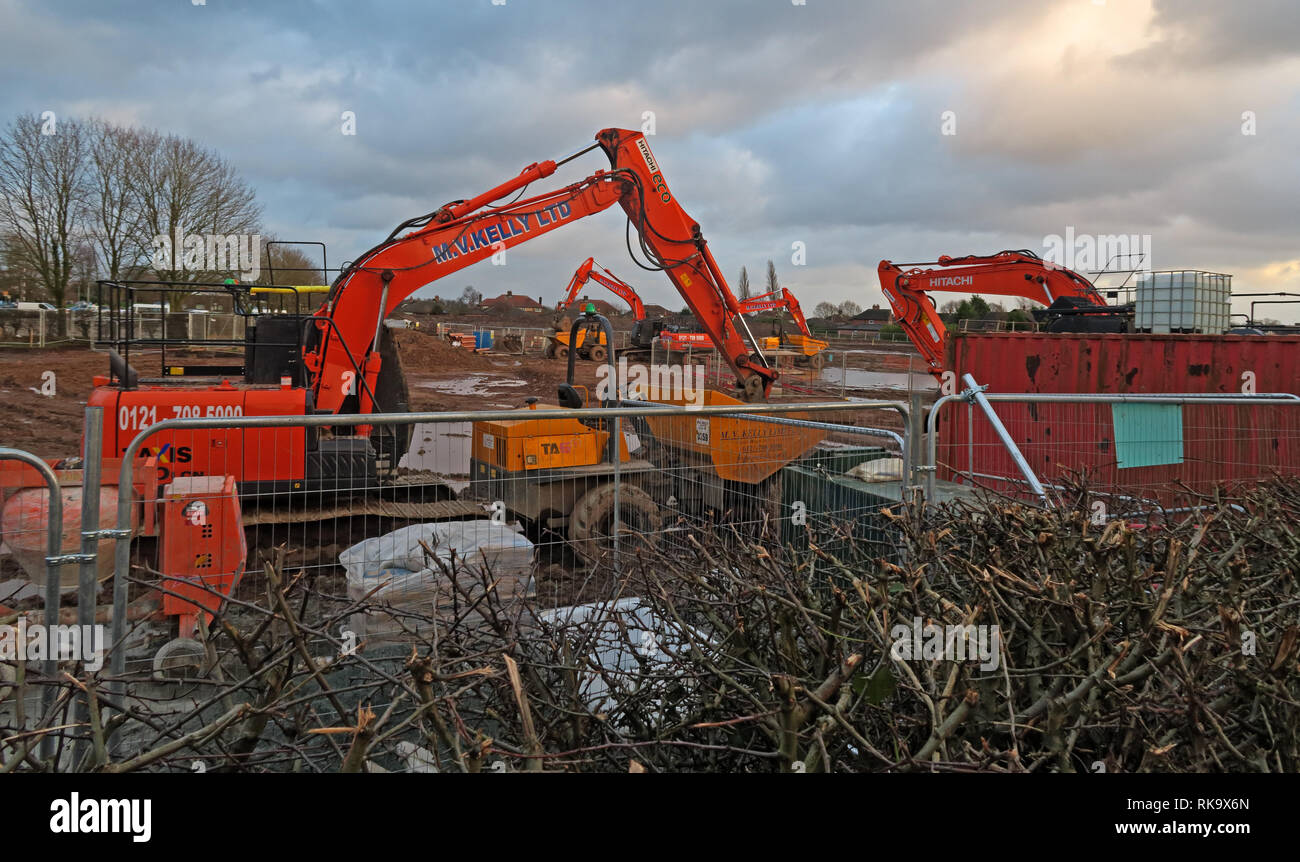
(826, 309)
(44, 175)
(85, 269)
(849, 308)
(17, 279)
(186, 189)
(742, 285)
(772, 283)
(114, 214)
(285, 264)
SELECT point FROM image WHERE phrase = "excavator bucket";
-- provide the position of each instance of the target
(24, 515)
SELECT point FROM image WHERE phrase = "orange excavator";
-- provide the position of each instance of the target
(332, 362)
(811, 348)
(587, 272)
(644, 333)
(337, 366)
(1022, 273)
(591, 338)
(465, 232)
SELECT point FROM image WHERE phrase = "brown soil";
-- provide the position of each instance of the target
(51, 426)
(45, 426)
(429, 359)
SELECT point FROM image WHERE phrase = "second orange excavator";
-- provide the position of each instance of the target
(1008, 273)
(590, 339)
(811, 349)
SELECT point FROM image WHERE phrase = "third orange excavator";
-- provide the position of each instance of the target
(1007, 273)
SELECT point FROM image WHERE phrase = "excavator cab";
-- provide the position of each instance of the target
(1076, 314)
(646, 331)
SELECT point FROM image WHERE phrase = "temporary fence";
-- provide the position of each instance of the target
(43, 327)
(28, 538)
(296, 561)
(56, 539)
(856, 337)
(529, 340)
(549, 474)
(46, 328)
(443, 512)
(1142, 450)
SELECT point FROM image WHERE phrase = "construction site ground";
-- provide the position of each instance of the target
(439, 377)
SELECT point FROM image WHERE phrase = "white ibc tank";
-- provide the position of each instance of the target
(1184, 301)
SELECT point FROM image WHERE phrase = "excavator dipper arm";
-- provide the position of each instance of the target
(1007, 273)
(786, 300)
(671, 241)
(616, 285)
(463, 233)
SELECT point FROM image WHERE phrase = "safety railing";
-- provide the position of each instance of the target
(52, 503)
(1144, 449)
(530, 496)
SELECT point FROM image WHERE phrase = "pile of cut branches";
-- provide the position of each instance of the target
(1001, 638)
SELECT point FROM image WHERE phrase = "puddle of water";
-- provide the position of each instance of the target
(857, 379)
(471, 385)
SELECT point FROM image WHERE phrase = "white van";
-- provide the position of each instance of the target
(36, 306)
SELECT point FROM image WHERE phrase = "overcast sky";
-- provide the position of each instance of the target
(825, 123)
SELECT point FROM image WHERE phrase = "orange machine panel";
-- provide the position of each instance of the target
(537, 444)
(201, 549)
(274, 453)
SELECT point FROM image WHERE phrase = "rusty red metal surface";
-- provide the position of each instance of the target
(1222, 445)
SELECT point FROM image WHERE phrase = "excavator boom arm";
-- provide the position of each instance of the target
(1008, 273)
(463, 233)
(786, 300)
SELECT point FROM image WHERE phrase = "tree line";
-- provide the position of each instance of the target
(848, 308)
(88, 199)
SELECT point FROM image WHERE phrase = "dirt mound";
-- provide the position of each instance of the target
(422, 351)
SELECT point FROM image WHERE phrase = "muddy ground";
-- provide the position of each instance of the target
(439, 377)
(44, 425)
(48, 421)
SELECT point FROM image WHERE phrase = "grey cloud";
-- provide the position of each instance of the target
(776, 123)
